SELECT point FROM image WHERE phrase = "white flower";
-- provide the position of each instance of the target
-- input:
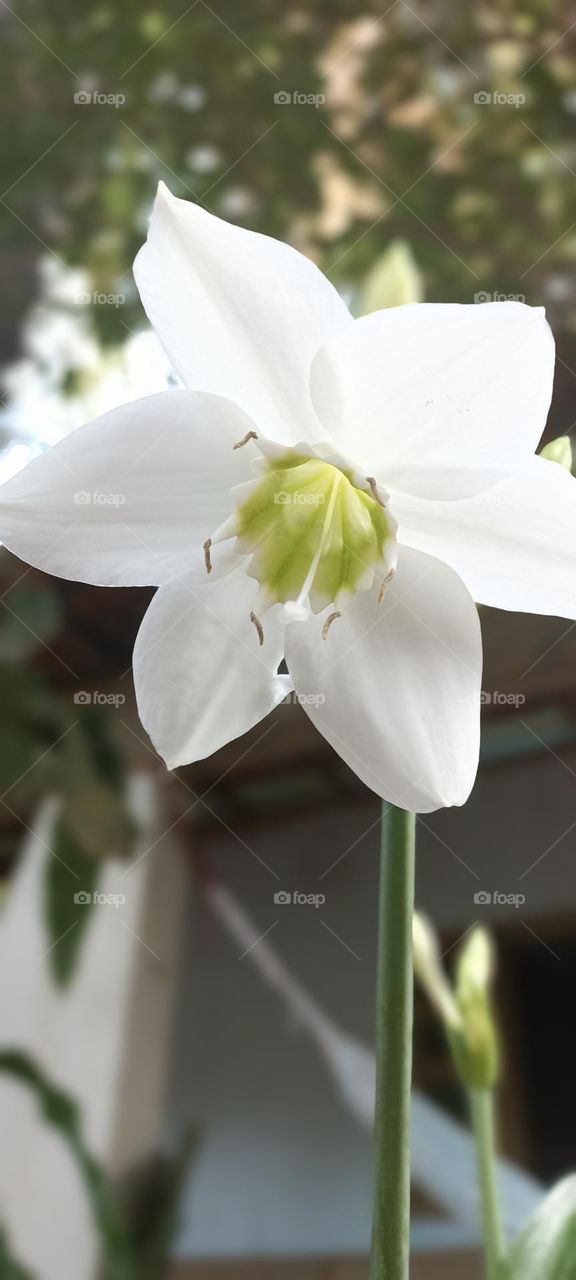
(401, 441)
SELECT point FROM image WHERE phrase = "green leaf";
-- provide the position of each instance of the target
(97, 819)
(152, 1198)
(29, 618)
(31, 721)
(71, 876)
(136, 1224)
(92, 787)
(102, 747)
(9, 1268)
(546, 1248)
(93, 823)
(61, 1112)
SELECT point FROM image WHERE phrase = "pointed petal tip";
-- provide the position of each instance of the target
(162, 206)
(174, 762)
(190, 273)
(163, 197)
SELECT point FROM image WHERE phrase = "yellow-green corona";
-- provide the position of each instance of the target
(316, 531)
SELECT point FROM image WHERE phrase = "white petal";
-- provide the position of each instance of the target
(238, 313)
(395, 687)
(129, 499)
(201, 676)
(514, 546)
(439, 401)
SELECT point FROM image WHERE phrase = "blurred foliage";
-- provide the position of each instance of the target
(546, 1248)
(483, 190)
(60, 1111)
(135, 1222)
(9, 1268)
(49, 745)
(66, 916)
(31, 617)
(151, 1202)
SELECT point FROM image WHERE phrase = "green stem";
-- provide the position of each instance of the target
(391, 1223)
(482, 1112)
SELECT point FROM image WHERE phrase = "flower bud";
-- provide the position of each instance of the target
(429, 971)
(465, 1007)
(559, 450)
(476, 1048)
(393, 281)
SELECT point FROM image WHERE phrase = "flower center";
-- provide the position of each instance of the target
(314, 530)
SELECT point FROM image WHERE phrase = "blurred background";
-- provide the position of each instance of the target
(185, 1044)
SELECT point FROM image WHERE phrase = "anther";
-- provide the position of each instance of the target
(207, 559)
(328, 623)
(385, 585)
(259, 628)
(250, 435)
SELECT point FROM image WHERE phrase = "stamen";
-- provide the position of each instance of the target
(207, 559)
(314, 532)
(250, 435)
(374, 487)
(328, 623)
(259, 628)
(310, 576)
(386, 583)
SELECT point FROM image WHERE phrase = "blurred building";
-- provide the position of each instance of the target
(280, 1184)
(451, 129)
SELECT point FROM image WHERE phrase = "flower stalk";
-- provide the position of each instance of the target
(483, 1124)
(394, 1012)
